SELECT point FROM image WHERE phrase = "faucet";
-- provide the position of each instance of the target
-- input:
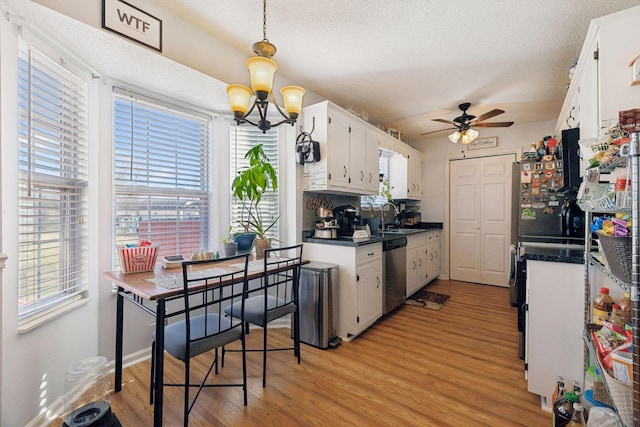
(395, 208)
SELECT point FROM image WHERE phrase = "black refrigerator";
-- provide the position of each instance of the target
(544, 196)
(545, 211)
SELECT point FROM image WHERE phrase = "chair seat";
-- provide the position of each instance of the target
(175, 342)
(254, 309)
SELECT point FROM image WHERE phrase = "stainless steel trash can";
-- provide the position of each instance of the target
(318, 304)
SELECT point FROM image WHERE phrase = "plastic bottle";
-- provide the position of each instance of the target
(616, 316)
(558, 391)
(602, 306)
(563, 409)
(625, 308)
(577, 418)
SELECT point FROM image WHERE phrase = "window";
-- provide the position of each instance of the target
(52, 182)
(376, 202)
(161, 174)
(242, 139)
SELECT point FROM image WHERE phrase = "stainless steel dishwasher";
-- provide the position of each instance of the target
(394, 271)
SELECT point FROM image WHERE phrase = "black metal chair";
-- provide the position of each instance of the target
(208, 288)
(274, 298)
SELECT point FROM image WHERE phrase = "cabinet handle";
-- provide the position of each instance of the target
(371, 254)
(345, 172)
(414, 265)
(431, 257)
(362, 176)
(370, 177)
(378, 282)
(420, 262)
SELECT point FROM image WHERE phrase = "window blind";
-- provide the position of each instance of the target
(52, 201)
(161, 174)
(242, 139)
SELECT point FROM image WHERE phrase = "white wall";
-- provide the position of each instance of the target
(437, 150)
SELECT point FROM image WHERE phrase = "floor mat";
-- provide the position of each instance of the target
(426, 299)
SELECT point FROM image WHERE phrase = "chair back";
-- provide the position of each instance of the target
(208, 287)
(282, 277)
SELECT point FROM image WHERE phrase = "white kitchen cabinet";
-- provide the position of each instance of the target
(554, 325)
(349, 152)
(416, 262)
(360, 283)
(405, 173)
(372, 155)
(432, 255)
(414, 179)
(369, 284)
(601, 85)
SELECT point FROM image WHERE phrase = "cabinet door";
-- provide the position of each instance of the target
(554, 348)
(588, 97)
(357, 156)
(369, 294)
(437, 259)
(338, 156)
(369, 285)
(398, 174)
(417, 175)
(423, 265)
(372, 163)
(412, 269)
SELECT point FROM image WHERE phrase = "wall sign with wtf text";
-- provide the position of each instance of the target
(132, 23)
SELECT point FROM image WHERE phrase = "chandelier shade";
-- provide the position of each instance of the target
(466, 136)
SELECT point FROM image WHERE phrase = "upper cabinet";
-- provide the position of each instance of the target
(348, 150)
(601, 85)
(405, 171)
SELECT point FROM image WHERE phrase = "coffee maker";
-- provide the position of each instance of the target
(348, 220)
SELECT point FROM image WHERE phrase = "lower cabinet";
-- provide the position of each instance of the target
(423, 259)
(360, 284)
(433, 255)
(554, 325)
(416, 262)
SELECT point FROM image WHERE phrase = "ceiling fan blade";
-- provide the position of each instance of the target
(449, 122)
(489, 114)
(493, 125)
(434, 131)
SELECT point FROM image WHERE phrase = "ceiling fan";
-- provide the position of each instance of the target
(463, 124)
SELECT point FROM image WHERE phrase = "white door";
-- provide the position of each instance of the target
(480, 219)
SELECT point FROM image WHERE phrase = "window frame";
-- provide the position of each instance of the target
(191, 175)
(53, 161)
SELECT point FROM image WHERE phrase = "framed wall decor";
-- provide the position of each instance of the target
(132, 23)
(635, 67)
(488, 142)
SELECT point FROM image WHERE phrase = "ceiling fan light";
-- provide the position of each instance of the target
(261, 70)
(292, 99)
(469, 135)
(455, 136)
(239, 96)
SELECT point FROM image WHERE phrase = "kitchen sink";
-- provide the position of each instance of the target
(399, 231)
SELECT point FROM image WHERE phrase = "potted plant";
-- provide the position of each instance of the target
(249, 186)
(229, 246)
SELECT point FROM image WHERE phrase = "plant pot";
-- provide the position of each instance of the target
(245, 241)
(229, 249)
(261, 245)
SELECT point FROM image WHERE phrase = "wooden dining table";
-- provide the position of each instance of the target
(151, 291)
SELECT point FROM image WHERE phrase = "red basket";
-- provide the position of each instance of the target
(138, 259)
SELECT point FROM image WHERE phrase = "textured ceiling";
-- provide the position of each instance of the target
(404, 62)
(400, 62)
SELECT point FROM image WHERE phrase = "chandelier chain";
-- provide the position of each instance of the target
(264, 20)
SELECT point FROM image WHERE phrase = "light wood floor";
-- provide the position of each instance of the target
(416, 367)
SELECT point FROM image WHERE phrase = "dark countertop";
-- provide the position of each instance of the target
(423, 227)
(570, 256)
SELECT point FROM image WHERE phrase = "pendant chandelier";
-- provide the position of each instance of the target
(262, 70)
